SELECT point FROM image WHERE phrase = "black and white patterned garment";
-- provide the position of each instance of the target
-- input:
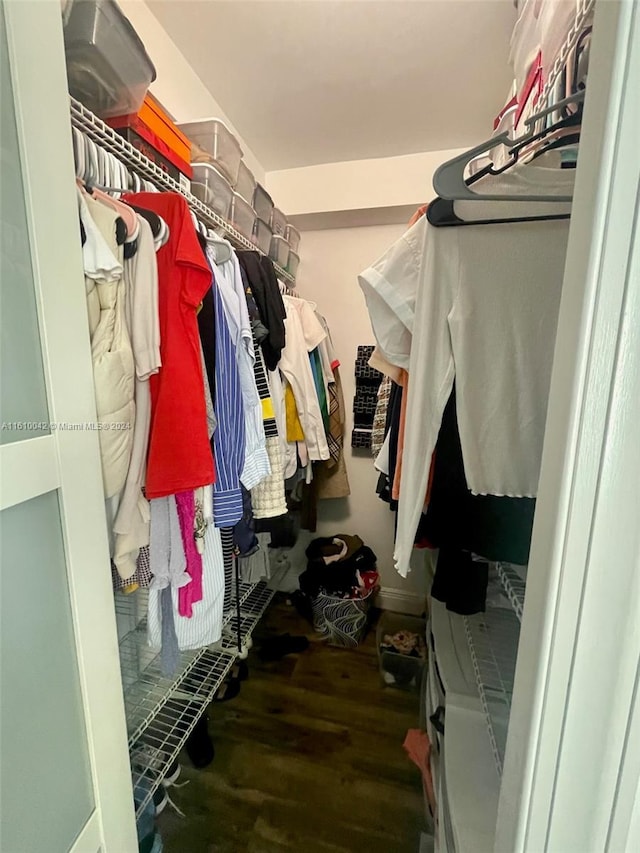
(139, 580)
(268, 418)
(226, 536)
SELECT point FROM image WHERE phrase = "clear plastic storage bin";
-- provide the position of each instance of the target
(243, 216)
(216, 139)
(263, 204)
(396, 669)
(278, 222)
(293, 263)
(108, 68)
(246, 183)
(292, 236)
(279, 250)
(262, 236)
(212, 188)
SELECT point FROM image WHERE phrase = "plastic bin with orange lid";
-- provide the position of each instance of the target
(152, 117)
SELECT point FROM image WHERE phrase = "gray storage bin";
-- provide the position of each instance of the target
(262, 204)
(400, 670)
(217, 140)
(278, 222)
(212, 188)
(262, 236)
(292, 236)
(108, 68)
(243, 216)
(246, 183)
(293, 263)
(279, 250)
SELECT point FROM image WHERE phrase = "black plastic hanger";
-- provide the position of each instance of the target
(441, 214)
(152, 218)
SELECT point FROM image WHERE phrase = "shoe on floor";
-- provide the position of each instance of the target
(275, 648)
(199, 745)
(171, 775)
(160, 800)
(240, 670)
(228, 690)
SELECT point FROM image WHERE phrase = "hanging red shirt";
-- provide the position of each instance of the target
(180, 455)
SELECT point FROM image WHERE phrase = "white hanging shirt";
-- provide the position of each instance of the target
(390, 288)
(485, 315)
(303, 333)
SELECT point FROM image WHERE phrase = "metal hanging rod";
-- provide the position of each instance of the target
(105, 137)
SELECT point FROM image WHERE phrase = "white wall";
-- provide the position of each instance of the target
(379, 183)
(177, 86)
(331, 261)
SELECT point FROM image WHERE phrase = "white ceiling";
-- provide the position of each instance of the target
(320, 81)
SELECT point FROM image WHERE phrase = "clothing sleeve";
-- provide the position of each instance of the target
(189, 254)
(275, 309)
(100, 264)
(229, 437)
(432, 373)
(380, 363)
(296, 368)
(390, 288)
(312, 328)
(145, 317)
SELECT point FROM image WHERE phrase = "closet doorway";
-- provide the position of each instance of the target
(63, 736)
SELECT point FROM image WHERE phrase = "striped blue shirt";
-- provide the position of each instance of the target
(229, 436)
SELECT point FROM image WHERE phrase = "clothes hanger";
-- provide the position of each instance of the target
(124, 211)
(571, 121)
(222, 249)
(152, 218)
(449, 181)
(441, 212)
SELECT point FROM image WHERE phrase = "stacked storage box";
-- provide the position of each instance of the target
(107, 65)
(214, 143)
(212, 188)
(292, 236)
(263, 205)
(151, 131)
(222, 180)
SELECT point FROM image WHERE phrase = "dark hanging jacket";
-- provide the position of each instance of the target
(264, 286)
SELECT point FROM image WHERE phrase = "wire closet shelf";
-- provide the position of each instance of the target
(162, 711)
(493, 643)
(105, 137)
(584, 11)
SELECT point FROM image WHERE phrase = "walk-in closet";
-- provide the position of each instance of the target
(319, 391)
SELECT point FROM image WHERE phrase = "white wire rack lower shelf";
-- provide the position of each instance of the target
(514, 581)
(493, 643)
(162, 711)
(163, 738)
(252, 610)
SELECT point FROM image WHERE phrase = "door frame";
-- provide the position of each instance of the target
(572, 765)
(68, 460)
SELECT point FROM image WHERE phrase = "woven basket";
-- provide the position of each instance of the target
(343, 621)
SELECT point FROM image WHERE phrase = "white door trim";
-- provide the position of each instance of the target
(38, 73)
(28, 468)
(568, 784)
(90, 838)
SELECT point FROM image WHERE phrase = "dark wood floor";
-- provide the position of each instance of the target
(309, 758)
